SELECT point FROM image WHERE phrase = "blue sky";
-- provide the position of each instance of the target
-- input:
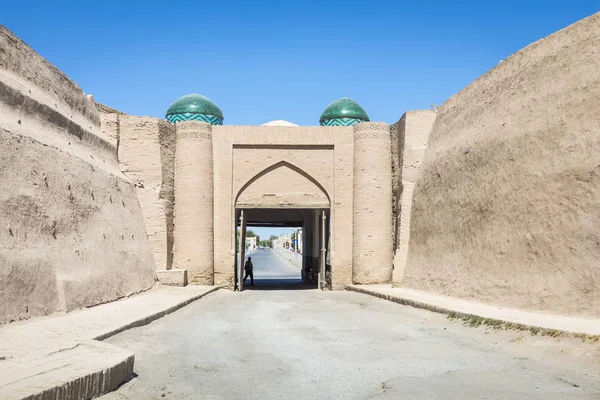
(267, 60)
(265, 232)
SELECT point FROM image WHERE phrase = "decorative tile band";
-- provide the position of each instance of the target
(372, 126)
(193, 130)
(194, 126)
(372, 130)
(193, 135)
(211, 119)
(341, 122)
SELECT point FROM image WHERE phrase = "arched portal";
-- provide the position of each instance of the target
(285, 196)
(282, 185)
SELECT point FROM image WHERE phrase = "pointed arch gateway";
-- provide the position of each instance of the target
(282, 185)
(284, 195)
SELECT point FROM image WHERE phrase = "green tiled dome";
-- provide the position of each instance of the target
(195, 107)
(344, 111)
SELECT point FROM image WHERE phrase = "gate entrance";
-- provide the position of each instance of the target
(307, 249)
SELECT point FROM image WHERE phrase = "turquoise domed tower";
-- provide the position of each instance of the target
(195, 107)
(343, 112)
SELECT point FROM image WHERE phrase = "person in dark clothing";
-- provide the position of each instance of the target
(248, 267)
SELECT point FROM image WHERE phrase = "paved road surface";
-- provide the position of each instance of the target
(272, 270)
(309, 344)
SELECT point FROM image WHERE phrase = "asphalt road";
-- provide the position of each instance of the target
(309, 344)
(273, 271)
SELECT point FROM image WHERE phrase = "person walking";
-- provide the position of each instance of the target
(248, 267)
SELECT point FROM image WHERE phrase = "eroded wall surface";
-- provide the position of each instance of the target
(507, 208)
(71, 229)
(109, 124)
(146, 156)
(412, 131)
(145, 148)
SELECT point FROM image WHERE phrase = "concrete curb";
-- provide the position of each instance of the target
(89, 369)
(153, 317)
(286, 260)
(475, 320)
(69, 374)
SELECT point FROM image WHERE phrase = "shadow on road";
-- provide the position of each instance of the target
(278, 284)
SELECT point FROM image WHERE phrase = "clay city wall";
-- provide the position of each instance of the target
(109, 125)
(507, 206)
(146, 156)
(145, 148)
(71, 234)
(409, 141)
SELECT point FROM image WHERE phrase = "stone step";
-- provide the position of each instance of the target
(87, 370)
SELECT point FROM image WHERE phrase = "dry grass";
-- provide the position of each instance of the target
(477, 321)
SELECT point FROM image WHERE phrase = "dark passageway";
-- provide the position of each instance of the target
(273, 268)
